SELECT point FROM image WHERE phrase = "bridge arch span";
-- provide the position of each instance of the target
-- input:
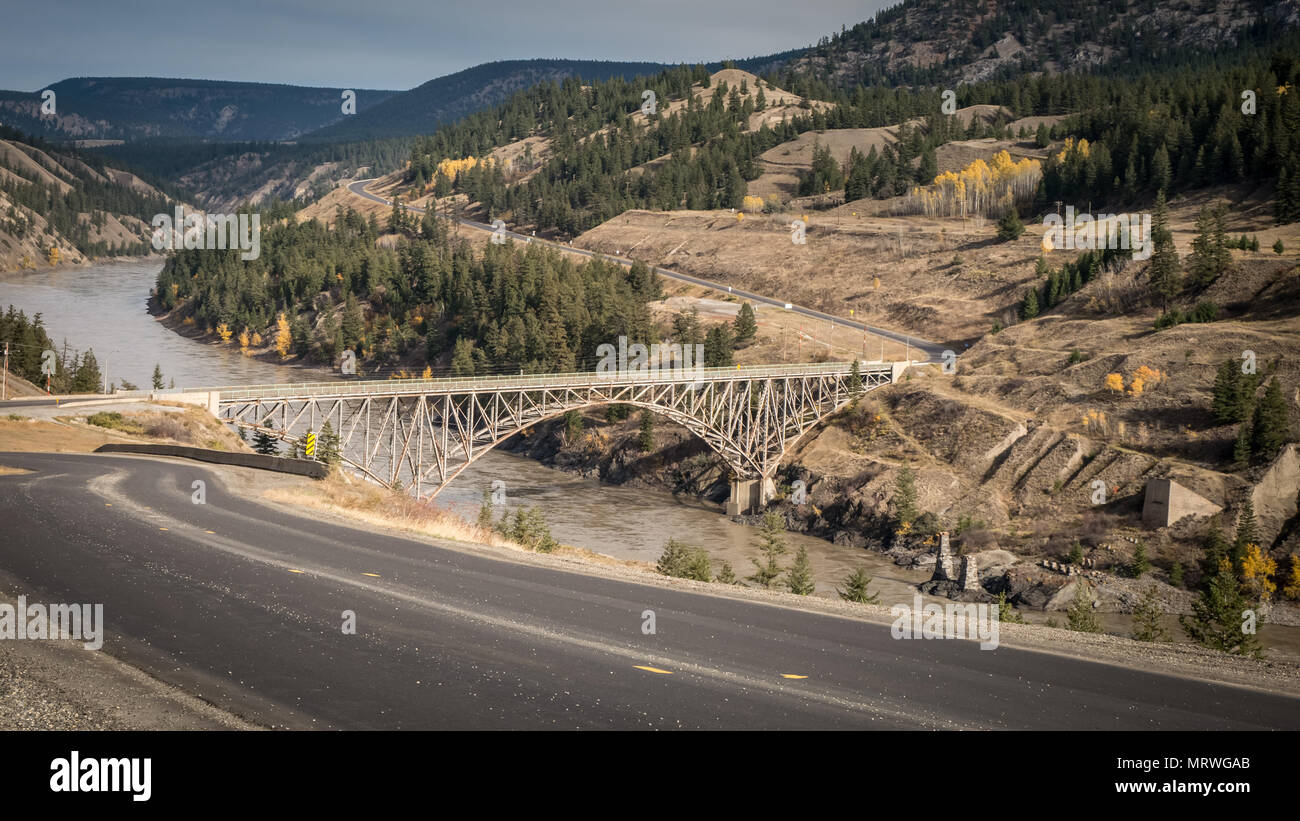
(424, 433)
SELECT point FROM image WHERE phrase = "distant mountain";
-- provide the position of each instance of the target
(134, 108)
(446, 99)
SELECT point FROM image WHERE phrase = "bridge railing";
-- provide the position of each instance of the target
(391, 387)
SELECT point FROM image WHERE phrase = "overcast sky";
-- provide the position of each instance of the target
(393, 44)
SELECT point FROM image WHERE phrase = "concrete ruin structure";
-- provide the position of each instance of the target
(1167, 502)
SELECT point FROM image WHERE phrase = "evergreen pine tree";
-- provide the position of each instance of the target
(772, 547)
(1217, 550)
(1162, 272)
(745, 325)
(1148, 624)
(718, 347)
(1029, 306)
(1010, 227)
(799, 578)
(904, 501)
(1141, 564)
(265, 444)
(1241, 447)
(157, 377)
(1081, 616)
(855, 588)
(726, 575)
(1271, 426)
(646, 438)
(1228, 393)
(327, 445)
(1007, 613)
(1218, 615)
(1176, 574)
(1210, 256)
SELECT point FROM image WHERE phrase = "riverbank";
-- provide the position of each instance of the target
(67, 267)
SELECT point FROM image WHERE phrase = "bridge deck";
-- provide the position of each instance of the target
(407, 387)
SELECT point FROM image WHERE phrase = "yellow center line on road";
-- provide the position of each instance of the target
(791, 675)
(213, 532)
(372, 575)
(297, 571)
(653, 669)
(162, 528)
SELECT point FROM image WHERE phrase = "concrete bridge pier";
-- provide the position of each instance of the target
(747, 495)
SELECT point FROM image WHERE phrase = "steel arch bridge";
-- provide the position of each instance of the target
(422, 433)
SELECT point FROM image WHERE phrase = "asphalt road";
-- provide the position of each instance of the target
(242, 604)
(932, 350)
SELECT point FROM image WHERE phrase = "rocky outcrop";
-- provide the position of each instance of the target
(1277, 493)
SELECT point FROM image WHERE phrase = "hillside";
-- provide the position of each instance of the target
(968, 41)
(64, 207)
(136, 108)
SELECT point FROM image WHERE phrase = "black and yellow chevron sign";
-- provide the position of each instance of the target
(311, 444)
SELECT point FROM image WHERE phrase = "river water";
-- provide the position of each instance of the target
(103, 307)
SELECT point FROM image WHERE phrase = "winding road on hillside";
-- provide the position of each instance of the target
(242, 604)
(932, 350)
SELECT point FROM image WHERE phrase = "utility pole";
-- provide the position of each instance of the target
(4, 388)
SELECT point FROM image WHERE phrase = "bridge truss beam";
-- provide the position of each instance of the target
(422, 435)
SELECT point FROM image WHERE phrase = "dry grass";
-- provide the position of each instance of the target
(387, 508)
(5, 470)
(32, 435)
(941, 279)
(74, 434)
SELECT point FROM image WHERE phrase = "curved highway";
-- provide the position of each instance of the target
(933, 350)
(242, 604)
